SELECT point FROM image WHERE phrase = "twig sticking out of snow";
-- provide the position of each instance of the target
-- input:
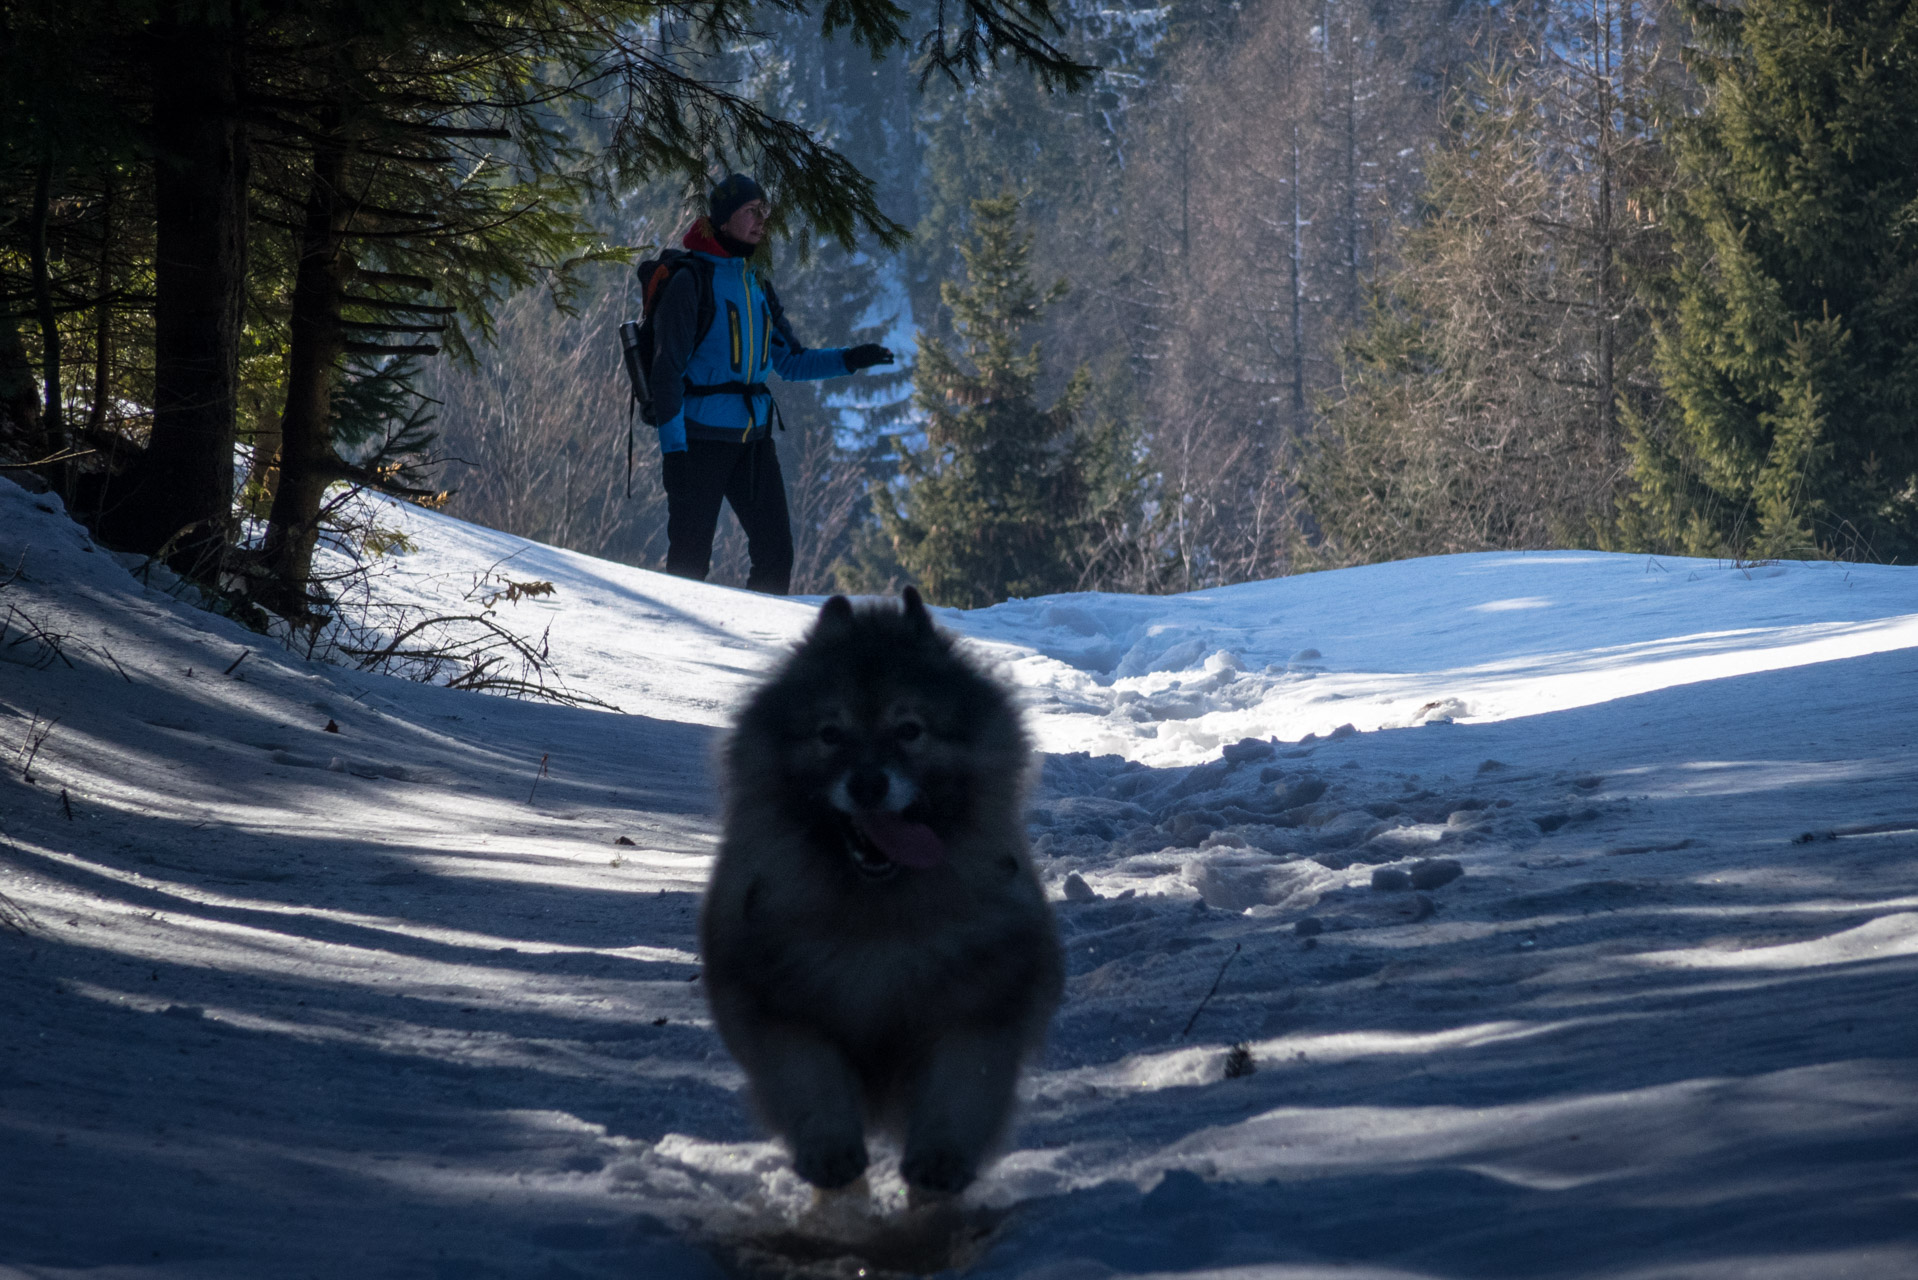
(47, 647)
(13, 917)
(467, 651)
(1212, 991)
(473, 651)
(37, 731)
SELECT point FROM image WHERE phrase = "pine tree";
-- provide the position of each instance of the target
(995, 500)
(1790, 343)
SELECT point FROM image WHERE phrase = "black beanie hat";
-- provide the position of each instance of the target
(732, 192)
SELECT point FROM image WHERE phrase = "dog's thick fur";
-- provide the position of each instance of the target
(858, 989)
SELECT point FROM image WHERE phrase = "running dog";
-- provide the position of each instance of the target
(878, 951)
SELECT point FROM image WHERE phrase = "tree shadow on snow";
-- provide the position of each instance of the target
(384, 1059)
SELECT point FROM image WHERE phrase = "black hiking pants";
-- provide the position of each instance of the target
(745, 475)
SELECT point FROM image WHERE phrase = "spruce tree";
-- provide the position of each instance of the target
(995, 500)
(1789, 346)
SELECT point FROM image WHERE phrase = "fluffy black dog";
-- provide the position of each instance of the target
(878, 950)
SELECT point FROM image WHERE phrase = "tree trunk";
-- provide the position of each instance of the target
(179, 496)
(103, 316)
(1355, 295)
(308, 462)
(1298, 289)
(1606, 301)
(19, 395)
(53, 437)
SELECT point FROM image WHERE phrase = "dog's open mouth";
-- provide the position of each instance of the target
(880, 843)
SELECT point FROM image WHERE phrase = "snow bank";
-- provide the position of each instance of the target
(1518, 915)
(1170, 680)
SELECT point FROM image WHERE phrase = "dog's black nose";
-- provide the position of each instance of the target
(867, 787)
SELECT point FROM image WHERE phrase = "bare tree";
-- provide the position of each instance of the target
(1277, 147)
(1480, 405)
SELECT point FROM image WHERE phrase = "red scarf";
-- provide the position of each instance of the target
(701, 239)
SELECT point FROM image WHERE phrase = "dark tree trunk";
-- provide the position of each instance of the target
(308, 462)
(19, 394)
(103, 316)
(179, 495)
(53, 436)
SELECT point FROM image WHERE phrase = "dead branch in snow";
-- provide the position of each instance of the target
(13, 917)
(37, 731)
(23, 639)
(471, 651)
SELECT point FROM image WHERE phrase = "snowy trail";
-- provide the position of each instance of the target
(415, 1016)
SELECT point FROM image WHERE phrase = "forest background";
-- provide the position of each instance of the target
(1337, 282)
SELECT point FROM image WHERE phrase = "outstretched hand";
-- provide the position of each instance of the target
(865, 356)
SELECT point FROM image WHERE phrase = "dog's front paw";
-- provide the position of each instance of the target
(830, 1165)
(941, 1169)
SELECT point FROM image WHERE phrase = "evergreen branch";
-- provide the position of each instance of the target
(984, 30)
(378, 326)
(426, 161)
(387, 304)
(383, 482)
(381, 349)
(397, 279)
(382, 211)
(447, 131)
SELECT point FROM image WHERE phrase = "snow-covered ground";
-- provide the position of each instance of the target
(400, 999)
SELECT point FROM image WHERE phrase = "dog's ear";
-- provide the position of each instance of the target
(835, 617)
(916, 614)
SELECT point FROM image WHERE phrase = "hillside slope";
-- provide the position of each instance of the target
(392, 999)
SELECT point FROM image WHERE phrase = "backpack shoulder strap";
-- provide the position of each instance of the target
(778, 314)
(772, 301)
(707, 308)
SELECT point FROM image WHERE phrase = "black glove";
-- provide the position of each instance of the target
(866, 356)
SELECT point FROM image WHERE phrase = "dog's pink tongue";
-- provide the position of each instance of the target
(910, 844)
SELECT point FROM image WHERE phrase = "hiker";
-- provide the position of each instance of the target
(710, 400)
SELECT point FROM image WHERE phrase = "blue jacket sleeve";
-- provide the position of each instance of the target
(801, 365)
(672, 434)
(790, 357)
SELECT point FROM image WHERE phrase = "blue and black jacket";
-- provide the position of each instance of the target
(714, 388)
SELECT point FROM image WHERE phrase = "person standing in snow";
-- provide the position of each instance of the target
(709, 391)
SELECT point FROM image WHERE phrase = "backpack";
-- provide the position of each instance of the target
(636, 337)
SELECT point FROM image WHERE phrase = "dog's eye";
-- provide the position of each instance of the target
(831, 735)
(908, 731)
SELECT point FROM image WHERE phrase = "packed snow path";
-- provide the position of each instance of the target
(283, 1001)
